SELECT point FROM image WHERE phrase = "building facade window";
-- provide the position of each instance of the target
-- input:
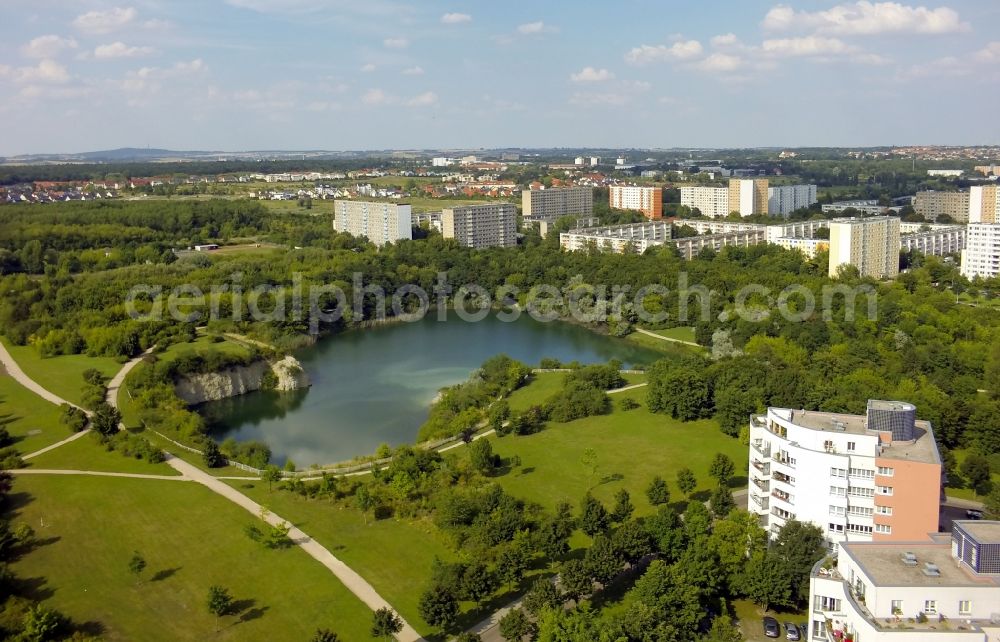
(885, 490)
(838, 472)
(862, 473)
(850, 446)
(836, 528)
(964, 607)
(897, 607)
(930, 607)
(884, 510)
(884, 529)
(885, 471)
(838, 491)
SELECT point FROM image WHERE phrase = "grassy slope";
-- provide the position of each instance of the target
(61, 375)
(86, 453)
(188, 535)
(681, 334)
(23, 412)
(394, 555)
(545, 384)
(668, 348)
(632, 447)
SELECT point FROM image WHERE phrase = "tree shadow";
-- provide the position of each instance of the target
(164, 574)
(701, 495)
(18, 500)
(527, 470)
(247, 610)
(90, 628)
(608, 479)
(253, 614)
(35, 589)
(738, 482)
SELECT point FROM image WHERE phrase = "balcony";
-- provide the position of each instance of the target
(762, 484)
(762, 466)
(762, 447)
(783, 459)
(783, 478)
(782, 495)
(782, 514)
(762, 502)
(756, 421)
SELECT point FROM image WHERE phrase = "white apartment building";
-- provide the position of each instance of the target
(549, 204)
(381, 223)
(936, 240)
(872, 477)
(481, 226)
(782, 200)
(981, 256)
(939, 588)
(870, 244)
(798, 229)
(748, 196)
(648, 200)
(710, 201)
(862, 207)
(807, 246)
(636, 237)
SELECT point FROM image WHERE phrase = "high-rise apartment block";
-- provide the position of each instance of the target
(981, 256)
(481, 226)
(748, 196)
(932, 204)
(941, 587)
(984, 203)
(870, 244)
(710, 201)
(549, 204)
(648, 200)
(871, 477)
(381, 223)
(782, 200)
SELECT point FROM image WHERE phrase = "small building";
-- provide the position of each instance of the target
(208, 247)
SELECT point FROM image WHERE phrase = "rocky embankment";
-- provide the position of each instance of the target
(285, 374)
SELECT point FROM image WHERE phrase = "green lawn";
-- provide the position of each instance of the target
(87, 453)
(632, 446)
(201, 343)
(545, 384)
(191, 539)
(33, 421)
(681, 334)
(61, 375)
(394, 555)
(667, 348)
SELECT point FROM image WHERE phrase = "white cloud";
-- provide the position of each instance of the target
(806, 46)
(590, 74)
(725, 40)
(867, 18)
(150, 79)
(425, 99)
(99, 22)
(376, 97)
(645, 54)
(368, 68)
(535, 28)
(47, 46)
(321, 106)
(456, 18)
(46, 71)
(415, 70)
(603, 99)
(396, 43)
(989, 53)
(720, 63)
(120, 50)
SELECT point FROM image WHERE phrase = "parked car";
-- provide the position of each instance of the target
(973, 514)
(771, 628)
(791, 632)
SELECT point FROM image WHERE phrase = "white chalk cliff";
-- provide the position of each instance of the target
(212, 386)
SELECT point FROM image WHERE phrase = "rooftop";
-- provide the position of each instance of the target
(883, 563)
(984, 532)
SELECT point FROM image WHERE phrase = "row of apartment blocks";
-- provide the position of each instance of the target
(748, 197)
(978, 205)
(475, 226)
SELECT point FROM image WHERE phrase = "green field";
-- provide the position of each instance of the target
(681, 334)
(632, 446)
(31, 420)
(393, 555)
(87, 453)
(667, 348)
(545, 384)
(61, 375)
(968, 493)
(191, 539)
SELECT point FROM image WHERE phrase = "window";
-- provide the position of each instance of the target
(828, 445)
(824, 603)
(838, 472)
(884, 510)
(885, 471)
(897, 607)
(861, 492)
(885, 529)
(850, 446)
(859, 529)
(860, 511)
(930, 607)
(964, 607)
(837, 510)
(838, 491)
(863, 473)
(836, 528)
(885, 490)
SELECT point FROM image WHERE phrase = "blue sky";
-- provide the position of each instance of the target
(375, 74)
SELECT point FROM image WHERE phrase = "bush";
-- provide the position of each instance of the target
(73, 417)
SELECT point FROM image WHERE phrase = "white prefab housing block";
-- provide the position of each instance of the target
(929, 590)
(381, 223)
(870, 244)
(938, 240)
(637, 237)
(481, 226)
(981, 256)
(710, 201)
(782, 200)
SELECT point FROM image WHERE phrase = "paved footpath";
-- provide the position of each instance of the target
(354, 582)
(663, 338)
(94, 473)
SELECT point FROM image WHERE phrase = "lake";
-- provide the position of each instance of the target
(376, 385)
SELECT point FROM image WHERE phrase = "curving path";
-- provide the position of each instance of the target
(663, 338)
(15, 371)
(94, 473)
(354, 582)
(115, 383)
